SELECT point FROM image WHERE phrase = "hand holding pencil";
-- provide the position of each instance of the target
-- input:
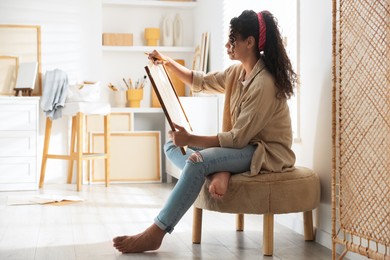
(156, 57)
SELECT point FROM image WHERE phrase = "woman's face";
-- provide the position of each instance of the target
(230, 46)
(230, 49)
(237, 48)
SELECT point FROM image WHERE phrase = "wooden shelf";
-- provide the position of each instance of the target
(189, 49)
(151, 3)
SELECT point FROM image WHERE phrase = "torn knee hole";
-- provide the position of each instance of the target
(196, 157)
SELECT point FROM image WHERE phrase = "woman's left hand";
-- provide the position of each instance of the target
(180, 137)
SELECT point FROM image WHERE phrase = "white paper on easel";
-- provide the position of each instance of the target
(27, 74)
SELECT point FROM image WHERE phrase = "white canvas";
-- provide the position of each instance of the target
(169, 100)
(27, 75)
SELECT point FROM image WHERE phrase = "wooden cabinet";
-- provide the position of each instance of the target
(19, 127)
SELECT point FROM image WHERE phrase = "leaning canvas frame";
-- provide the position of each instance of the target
(24, 42)
(135, 156)
(200, 59)
(169, 100)
(204, 51)
(8, 73)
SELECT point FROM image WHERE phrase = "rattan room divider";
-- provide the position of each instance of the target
(361, 128)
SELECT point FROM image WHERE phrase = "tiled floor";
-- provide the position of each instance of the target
(84, 230)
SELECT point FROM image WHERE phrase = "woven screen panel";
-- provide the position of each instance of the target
(362, 125)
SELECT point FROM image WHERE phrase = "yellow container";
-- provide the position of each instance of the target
(152, 36)
(134, 96)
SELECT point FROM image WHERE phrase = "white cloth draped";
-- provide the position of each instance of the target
(55, 90)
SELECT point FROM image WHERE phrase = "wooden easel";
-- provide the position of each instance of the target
(25, 91)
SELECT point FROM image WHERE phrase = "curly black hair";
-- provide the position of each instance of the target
(274, 54)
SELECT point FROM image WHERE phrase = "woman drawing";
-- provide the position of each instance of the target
(256, 136)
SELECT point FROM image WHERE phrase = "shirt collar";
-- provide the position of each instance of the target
(259, 66)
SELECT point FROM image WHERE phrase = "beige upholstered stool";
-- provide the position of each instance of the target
(267, 194)
(78, 111)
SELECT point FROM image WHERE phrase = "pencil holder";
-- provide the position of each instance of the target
(134, 96)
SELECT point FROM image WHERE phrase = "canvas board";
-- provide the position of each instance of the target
(204, 52)
(166, 94)
(27, 75)
(134, 156)
(8, 73)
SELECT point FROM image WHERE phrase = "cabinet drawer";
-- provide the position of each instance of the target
(18, 170)
(18, 117)
(18, 143)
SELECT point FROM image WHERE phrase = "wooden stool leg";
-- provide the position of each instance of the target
(107, 148)
(308, 225)
(45, 151)
(268, 234)
(197, 226)
(239, 222)
(79, 149)
(72, 146)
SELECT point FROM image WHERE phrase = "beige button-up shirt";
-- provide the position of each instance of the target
(252, 115)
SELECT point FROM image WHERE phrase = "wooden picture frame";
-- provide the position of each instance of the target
(204, 51)
(24, 42)
(169, 100)
(134, 156)
(8, 74)
(196, 59)
(201, 55)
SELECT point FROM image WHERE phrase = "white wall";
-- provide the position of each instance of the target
(315, 150)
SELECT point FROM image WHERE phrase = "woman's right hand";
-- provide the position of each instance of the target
(179, 70)
(157, 58)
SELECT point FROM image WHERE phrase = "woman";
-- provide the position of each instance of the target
(256, 137)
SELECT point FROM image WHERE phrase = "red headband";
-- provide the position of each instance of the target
(262, 31)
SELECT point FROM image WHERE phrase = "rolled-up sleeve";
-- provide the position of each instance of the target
(197, 77)
(213, 82)
(226, 139)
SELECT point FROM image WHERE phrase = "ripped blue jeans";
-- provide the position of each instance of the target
(193, 176)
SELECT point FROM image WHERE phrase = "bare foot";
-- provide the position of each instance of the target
(218, 184)
(148, 240)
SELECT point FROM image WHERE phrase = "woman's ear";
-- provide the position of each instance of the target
(251, 42)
